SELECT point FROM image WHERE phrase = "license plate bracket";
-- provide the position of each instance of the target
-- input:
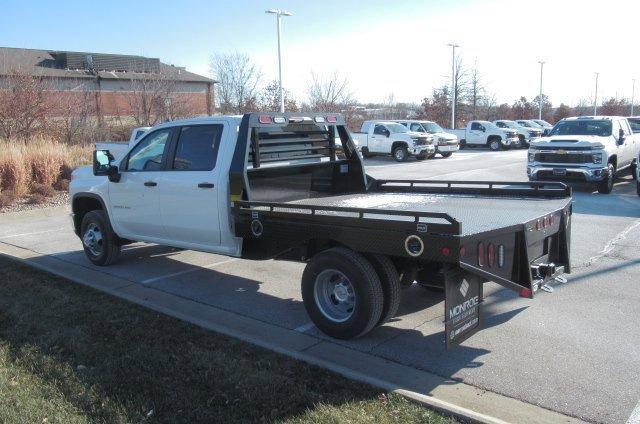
(559, 171)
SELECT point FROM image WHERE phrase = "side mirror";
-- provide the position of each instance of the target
(621, 137)
(387, 134)
(102, 165)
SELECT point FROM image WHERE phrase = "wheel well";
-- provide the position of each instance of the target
(398, 144)
(81, 205)
(521, 137)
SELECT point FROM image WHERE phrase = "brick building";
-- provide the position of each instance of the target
(114, 84)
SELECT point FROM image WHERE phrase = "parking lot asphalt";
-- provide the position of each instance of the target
(575, 351)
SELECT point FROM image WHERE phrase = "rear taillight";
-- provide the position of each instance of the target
(481, 252)
(332, 119)
(525, 292)
(265, 119)
(463, 251)
(491, 255)
(501, 256)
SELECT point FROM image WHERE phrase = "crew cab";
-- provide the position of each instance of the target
(525, 135)
(591, 149)
(485, 133)
(119, 148)
(391, 138)
(445, 143)
(292, 186)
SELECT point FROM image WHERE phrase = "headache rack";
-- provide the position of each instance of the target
(293, 142)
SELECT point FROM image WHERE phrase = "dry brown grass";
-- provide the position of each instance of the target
(25, 165)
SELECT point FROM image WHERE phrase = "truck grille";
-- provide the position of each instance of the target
(563, 158)
(421, 142)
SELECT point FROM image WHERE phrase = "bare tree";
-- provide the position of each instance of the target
(461, 89)
(24, 104)
(270, 98)
(74, 110)
(475, 92)
(239, 77)
(329, 92)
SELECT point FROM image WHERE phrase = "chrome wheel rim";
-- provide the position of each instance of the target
(495, 145)
(92, 239)
(399, 154)
(334, 295)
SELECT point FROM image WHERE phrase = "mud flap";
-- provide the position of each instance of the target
(463, 296)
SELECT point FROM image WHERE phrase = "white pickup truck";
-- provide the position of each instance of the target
(591, 149)
(292, 186)
(525, 135)
(445, 143)
(485, 133)
(391, 138)
(119, 148)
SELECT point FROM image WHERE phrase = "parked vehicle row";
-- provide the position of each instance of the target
(392, 138)
(592, 149)
(445, 143)
(525, 134)
(293, 187)
(485, 133)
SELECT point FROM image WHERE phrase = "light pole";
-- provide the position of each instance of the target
(453, 84)
(595, 97)
(540, 96)
(633, 92)
(279, 13)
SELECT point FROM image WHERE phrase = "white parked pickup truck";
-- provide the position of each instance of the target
(391, 138)
(485, 133)
(525, 135)
(586, 148)
(119, 148)
(445, 143)
(292, 186)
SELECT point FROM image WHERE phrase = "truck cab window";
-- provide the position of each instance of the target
(476, 127)
(417, 128)
(380, 130)
(197, 148)
(148, 154)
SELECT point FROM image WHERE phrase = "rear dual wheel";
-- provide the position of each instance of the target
(347, 295)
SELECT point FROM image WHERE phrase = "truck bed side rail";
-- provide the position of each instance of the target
(450, 226)
(494, 188)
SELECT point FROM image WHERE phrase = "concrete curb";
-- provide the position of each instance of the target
(443, 395)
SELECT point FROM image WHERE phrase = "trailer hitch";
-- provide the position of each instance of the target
(540, 273)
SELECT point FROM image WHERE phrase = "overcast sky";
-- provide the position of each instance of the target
(383, 47)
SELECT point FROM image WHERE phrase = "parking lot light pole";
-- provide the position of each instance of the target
(595, 97)
(453, 84)
(279, 13)
(540, 97)
(633, 93)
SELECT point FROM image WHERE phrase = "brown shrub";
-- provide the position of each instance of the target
(43, 190)
(37, 199)
(13, 173)
(7, 198)
(62, 184)
(65, 172)
(44, 160)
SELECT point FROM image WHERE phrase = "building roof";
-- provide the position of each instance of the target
(65, 64)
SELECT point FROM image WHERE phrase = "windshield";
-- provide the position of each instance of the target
(432, 127)
(529, 124)
(635, 124)
(396, 128)
(488, 124)
(511, 124)
(600, 128)
(542, 122)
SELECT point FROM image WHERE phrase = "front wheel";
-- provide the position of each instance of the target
(495, 144)
(445, 154)
(100, 243)
(400, 154)
(342, 293)
(422, 157)
(634, 171)
(606, 186)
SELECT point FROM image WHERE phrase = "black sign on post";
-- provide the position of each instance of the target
(463, 296)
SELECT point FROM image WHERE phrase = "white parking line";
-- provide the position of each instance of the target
(634, 418)
(304, 327)
(612, 243)
(33, 233)
(186, 271)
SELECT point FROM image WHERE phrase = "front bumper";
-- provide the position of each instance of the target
(422, 150)
(563, 172)
(448, 148)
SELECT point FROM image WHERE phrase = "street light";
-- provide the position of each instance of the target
(279, 13)
(595, 97)
(540, 97)
(453, 84)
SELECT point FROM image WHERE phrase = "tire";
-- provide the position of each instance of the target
(634, 171)
(638, 187)
(390, 281)
(365, 153)
(463, 144)
(445, 154)
(422, 157)
(362, 292)
(100, 243)
(606, 186)
(494, 144)
(400, 154)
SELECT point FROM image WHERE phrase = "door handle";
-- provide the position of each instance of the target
(150, 184)
(206, 185)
